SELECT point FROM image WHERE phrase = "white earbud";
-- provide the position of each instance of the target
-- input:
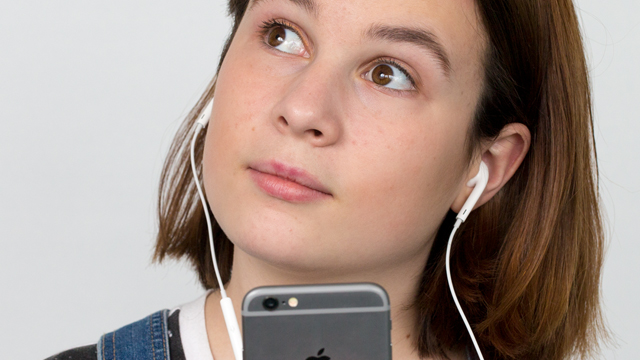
(203, 118)
(479, 183)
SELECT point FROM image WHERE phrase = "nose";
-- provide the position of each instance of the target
(310, 106)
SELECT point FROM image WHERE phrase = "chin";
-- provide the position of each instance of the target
(282, 242)
(285, 252)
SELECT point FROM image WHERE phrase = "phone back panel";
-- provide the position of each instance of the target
(330, 322)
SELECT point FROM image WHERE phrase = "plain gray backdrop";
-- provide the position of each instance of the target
(91, 93)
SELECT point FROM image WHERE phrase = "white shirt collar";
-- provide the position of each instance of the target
(193, 331)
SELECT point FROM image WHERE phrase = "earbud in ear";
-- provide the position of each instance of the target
(479, 182)
(203, 119)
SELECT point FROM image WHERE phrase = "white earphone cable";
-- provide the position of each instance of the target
(226, 304)
(197, 128)
(453, 292)
(228, 312)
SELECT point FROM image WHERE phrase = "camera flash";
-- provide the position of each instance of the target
(293, 302)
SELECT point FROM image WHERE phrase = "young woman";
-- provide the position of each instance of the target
(341, 140)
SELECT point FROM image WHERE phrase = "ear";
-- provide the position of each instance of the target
(503, 156)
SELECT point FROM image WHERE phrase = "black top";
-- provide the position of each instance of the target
(90, 352)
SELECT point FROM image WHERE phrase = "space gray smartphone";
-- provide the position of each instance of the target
(317, 322)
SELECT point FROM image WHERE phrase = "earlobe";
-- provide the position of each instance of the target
(503, 156)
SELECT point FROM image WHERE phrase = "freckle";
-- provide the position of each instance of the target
(253, 128)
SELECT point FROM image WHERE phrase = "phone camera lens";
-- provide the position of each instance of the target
(270, 303)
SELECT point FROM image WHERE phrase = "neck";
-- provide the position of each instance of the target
(400, 282)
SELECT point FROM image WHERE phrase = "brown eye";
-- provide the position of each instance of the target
(382, 74)
(285, 39)
(276, 36)
(391, 75)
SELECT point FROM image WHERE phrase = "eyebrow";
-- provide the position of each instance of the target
(423, 38)
(417, 36)
(309, 6)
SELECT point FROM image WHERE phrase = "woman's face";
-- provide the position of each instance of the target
(337, 139)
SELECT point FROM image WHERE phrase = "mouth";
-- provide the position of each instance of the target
(287, 183)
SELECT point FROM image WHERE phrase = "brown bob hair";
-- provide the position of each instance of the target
(527, 263)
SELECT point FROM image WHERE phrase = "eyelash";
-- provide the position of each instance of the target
(267, 25)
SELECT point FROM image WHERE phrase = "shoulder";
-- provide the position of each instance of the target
(90, 352)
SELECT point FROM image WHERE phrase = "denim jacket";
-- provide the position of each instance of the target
(146, 339)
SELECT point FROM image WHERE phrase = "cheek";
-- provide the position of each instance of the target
(241, 98)
(404, 185)
(240, 87)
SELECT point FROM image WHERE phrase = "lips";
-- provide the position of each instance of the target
(287, 183)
